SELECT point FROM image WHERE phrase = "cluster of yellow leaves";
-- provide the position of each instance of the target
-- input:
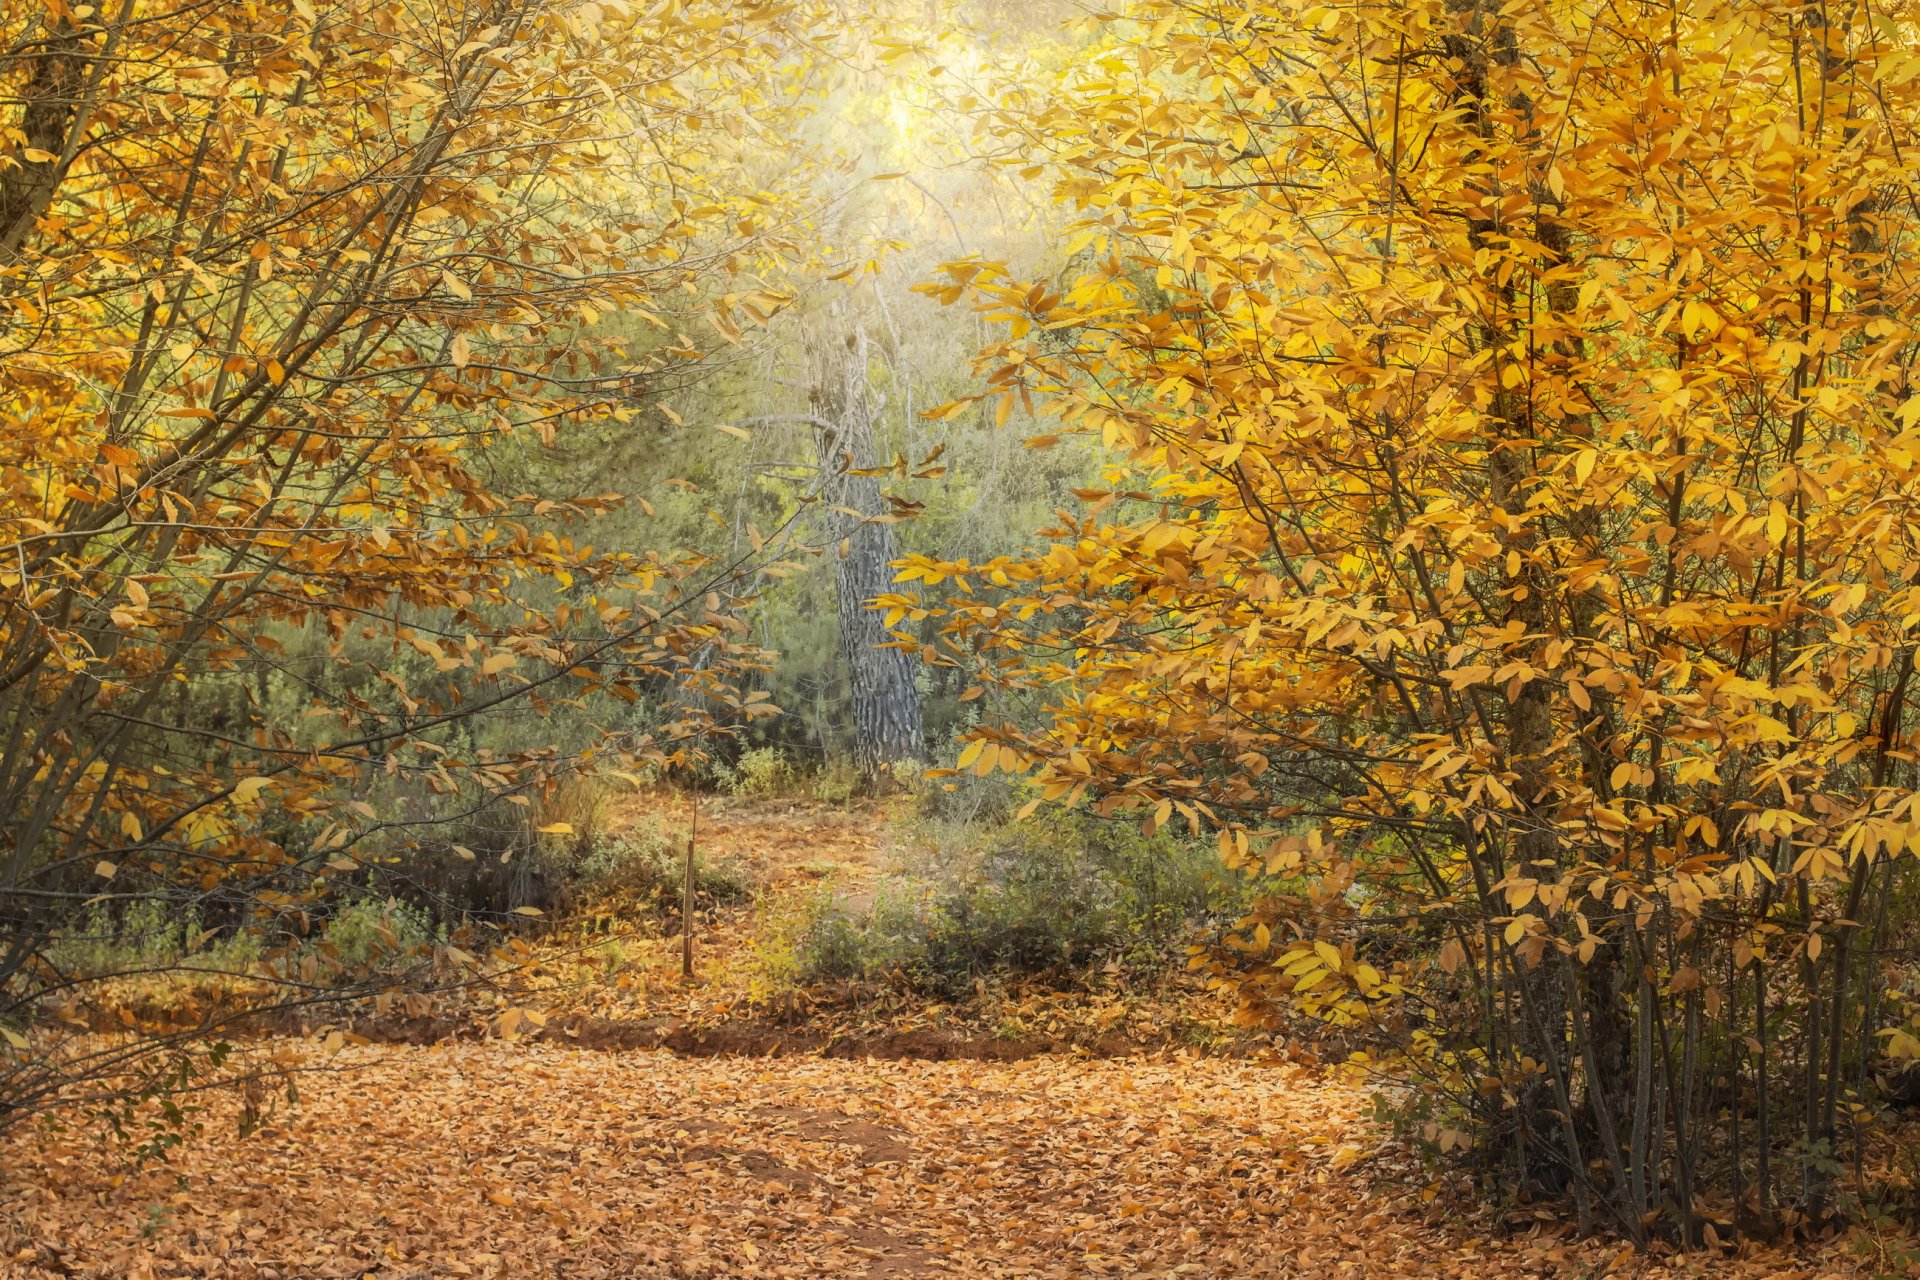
(274, 280)
(1701, 565)
(1515, 469)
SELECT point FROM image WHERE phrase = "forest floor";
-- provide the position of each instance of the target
(873, 1143)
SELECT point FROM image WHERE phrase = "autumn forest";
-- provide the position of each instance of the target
(799, 638)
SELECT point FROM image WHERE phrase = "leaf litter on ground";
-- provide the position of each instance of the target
(509, 1159)
(530, 1156)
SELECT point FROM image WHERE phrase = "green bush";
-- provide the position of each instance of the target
(761, 773)
(837, 782)
(967, 799)
(1051, 896)
(147, 934)
(368, 935)
(643, 864)
(365, 935)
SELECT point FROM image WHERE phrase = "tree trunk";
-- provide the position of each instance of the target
(886, 702)
(53, 100)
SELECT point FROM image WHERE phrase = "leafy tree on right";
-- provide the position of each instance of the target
(1510, 541)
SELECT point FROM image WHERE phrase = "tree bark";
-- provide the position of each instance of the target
(887, 728)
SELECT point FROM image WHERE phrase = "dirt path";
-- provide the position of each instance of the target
(542, 1158)
(510, 1160)
(778, 844)
(789, 853)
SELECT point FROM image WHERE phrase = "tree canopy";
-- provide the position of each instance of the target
(1511, 534)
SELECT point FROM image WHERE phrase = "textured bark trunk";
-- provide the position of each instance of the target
(1549, 1154)
(49, 106)
(887, 728)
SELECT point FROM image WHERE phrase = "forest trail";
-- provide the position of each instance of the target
(509, 1159)
(786, 852)
(780, 845)
(534, 1157)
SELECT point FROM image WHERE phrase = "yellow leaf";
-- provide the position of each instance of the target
(1776, 523)
(1698, 320)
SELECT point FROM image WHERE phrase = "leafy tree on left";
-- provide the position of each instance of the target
(272, 278)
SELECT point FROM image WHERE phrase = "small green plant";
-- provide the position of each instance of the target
(761, 773)
(367, 935)
(1883, 1245)
(838, 782)
(640, 857)
(141, 935)
(775, 965)
(1053, 896)
(645, 866)
(611, 957)
(147, 1118)
(158, 1216)
(148, 934)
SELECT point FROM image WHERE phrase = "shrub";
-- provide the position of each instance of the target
(766, 772)
(838, 782)
(146, 935)
(761, 773)
(368, 936)
(1048, 897)
(643, 865)
(966, 797)
(364, 936)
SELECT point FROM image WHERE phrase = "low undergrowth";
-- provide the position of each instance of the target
(641, 870)
(1063, 897)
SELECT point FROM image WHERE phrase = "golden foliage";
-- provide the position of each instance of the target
(1515, 532)
(274, 280)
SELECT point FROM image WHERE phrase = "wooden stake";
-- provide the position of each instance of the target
(686, 895)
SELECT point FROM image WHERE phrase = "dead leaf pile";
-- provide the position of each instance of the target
(510, 1160)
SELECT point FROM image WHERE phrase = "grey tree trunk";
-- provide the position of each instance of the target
(887, 728)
